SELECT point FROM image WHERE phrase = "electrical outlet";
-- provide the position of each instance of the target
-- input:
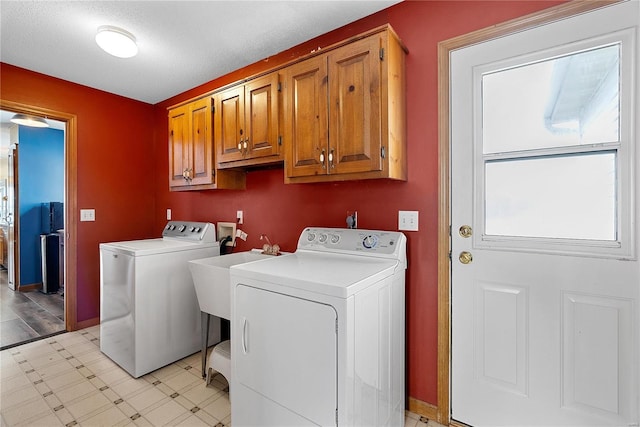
(168, 214)
(408, 220)
(87, 214)
(239, 217)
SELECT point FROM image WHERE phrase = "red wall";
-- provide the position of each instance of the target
(115, 167)
(123, 163)
(282, 211)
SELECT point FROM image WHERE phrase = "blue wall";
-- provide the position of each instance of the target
(41, 179)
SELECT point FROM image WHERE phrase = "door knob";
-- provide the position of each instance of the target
(465, 231)
(465, 257)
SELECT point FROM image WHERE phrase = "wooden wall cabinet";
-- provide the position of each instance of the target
(191, 154)
(344, 112)
(338, 114)
(246, 123)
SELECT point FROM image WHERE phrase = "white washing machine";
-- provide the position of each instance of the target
(318, 336)
(149, 313)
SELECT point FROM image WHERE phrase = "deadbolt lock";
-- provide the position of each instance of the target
(465, 231)
(465, 257)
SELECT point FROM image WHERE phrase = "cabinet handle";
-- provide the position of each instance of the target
(186, 174)
(331, 159)
(242, 145)
(322, 158)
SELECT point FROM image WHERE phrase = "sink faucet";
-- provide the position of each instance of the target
(268, 248)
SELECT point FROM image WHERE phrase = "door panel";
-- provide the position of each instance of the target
(229, 124)
(306, 119)
(178, 152)
(500, 329)
(261, 116)
(201, 154)
(598, 325)
(355, 88)
(545, 303)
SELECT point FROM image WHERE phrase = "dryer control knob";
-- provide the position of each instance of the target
(311, 237)
(370, 241)
(182, 228)
(323, 238)
(335, 238)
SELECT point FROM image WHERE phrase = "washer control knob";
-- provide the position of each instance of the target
(323, 238)
(192, 229)
(370, 241)
(182, 228)
(335, 238)
(311, 237)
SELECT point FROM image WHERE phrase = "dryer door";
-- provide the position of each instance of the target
(287, 353)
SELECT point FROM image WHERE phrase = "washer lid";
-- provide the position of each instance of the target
(154, 246)
(331, 274)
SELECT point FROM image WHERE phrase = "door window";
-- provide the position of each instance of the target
(551, 158)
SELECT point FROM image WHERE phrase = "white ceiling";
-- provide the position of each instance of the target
(182, 44)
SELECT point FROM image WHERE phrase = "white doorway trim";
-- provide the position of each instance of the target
(444, 226)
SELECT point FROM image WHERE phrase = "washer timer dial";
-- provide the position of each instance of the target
(370, 241)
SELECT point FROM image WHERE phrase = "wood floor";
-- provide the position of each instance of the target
(27, 316)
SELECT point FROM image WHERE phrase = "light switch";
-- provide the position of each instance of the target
(87, 214)
(408, 220)
(168, 214)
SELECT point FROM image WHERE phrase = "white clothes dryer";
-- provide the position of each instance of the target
(318, 336)
(149, 313)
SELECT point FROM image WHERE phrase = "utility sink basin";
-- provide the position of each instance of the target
(211, 278)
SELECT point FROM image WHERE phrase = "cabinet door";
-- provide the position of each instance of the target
(355, 139)
(229, 129)
(201, 144)
(305, 133)
(261, 116)
(178, 145)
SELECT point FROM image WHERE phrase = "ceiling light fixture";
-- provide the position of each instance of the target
(32, 121)
(116, 41)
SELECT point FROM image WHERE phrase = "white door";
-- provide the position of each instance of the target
(544, 172)
(12, 219)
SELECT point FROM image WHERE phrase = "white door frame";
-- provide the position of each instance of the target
(443, 410)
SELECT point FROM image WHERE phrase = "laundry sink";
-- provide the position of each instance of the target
(211, 278)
